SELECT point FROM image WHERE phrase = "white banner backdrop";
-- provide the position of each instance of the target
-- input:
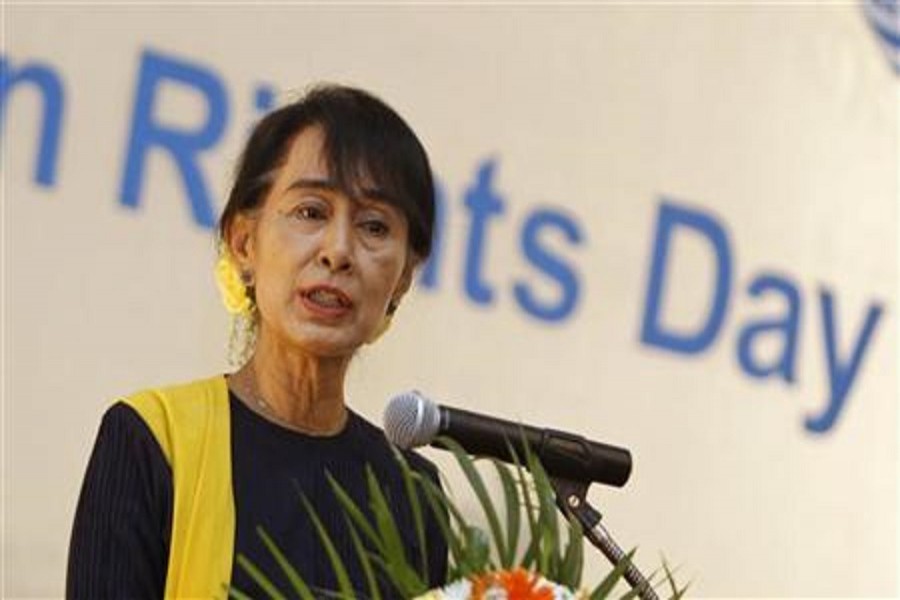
(671, 228)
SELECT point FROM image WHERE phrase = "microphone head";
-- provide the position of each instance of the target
(411, 420)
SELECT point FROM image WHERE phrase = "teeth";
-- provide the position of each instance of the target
(326, 298)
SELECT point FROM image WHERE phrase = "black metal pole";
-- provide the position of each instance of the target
(571, 498)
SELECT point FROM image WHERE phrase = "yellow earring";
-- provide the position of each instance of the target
(234, 287)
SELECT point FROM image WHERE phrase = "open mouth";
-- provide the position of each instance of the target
(327, 298)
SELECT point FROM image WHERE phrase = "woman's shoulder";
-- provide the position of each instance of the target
(125, 438)
(122, 417)
(182, 407)
(193, 393)
(189, 391)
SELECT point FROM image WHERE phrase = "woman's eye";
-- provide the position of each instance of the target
(375, 227)
(309, 212)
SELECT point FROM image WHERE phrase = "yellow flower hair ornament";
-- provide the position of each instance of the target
(231, 287)
(240, 305)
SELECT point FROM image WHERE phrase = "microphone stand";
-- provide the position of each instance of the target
(571, 498)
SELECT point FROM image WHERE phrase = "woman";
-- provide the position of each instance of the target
(330, 214)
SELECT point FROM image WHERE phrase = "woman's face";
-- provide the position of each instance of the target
(325, 265)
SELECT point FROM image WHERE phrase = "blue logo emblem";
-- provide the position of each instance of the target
(884, 18)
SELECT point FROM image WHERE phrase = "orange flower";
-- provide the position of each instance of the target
(522, 585)
(518, 585)
(481, 584)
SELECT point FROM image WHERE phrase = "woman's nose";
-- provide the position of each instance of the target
(336, 251)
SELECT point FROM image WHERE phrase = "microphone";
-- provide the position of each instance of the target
(412, 420)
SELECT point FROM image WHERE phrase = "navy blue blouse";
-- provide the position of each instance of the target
(120, 538)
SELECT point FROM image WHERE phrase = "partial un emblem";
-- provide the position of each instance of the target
(884, 18)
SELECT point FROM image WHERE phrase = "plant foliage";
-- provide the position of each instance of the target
(553, 547)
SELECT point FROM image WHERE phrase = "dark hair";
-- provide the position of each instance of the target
(365, 142)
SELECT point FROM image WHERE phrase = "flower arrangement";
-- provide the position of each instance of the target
(504, 585)
(483, 565)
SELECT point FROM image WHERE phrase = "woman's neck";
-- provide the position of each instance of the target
(298, 390)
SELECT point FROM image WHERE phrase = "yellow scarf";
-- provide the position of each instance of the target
(192, 423)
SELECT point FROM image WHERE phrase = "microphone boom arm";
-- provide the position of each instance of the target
(571, 499)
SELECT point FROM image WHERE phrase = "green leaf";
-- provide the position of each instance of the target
(651, 582)
(352, 510)
(484, 498)
(670, 579)
(394, 548)
(385, 537)
(300, 587)
(531, 557)
(631, 594)
(364, 561)
(513, 515)
(384, 520)
(443, 509)
(573, 558)
(340, 571)
(415, 506)
(636, 592)
(233, 592)
(261, 580)
(476, 552)
(605, 588)
(549, 555)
